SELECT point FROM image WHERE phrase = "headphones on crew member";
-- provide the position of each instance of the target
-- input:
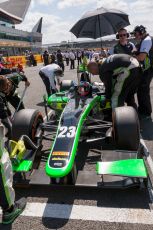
(140, 29)
(127, 35)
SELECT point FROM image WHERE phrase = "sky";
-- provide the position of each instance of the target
(60, 15)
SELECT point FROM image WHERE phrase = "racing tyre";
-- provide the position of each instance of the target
(26, 122)
(126, 129)
(66, 85)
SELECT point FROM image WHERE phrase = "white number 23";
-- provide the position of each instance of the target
(65, 131)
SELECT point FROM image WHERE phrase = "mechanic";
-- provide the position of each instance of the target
(8, 93)
(11, 209)
(59, 58)
(46, 57)
(123, 46)
(144, 47)
(49, 75)
(120, 74)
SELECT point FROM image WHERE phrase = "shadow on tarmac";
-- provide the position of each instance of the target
(69, 195)
(41, 104)
(133, 198)
(5, 227)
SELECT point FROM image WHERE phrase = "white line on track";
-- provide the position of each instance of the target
(89, 213)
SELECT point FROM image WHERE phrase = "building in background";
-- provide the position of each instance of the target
(85, 44)
(14, 41)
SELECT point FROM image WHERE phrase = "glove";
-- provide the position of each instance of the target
(106, 104)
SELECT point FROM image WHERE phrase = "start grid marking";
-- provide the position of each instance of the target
(89, 213)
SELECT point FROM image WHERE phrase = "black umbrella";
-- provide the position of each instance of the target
(99, 23)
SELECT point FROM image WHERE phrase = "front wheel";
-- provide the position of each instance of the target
(126, 128)
(26, 122)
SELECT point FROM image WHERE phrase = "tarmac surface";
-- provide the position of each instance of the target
(81, 208)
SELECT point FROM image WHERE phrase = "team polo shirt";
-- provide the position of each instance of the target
(146, 45)
(123, 48)
(48, 71)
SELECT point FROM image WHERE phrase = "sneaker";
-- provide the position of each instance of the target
(9, 217)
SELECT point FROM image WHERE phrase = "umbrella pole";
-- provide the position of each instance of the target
(100, 32)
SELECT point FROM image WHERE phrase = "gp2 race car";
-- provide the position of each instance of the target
(82, 121)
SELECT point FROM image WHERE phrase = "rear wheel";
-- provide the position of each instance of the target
(26, 122)
(126, 129)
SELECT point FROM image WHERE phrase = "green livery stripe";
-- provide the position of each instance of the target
(78, 131)
(61, 172)
(129, 168)
(24, 166)
(57, 99)
(48, 168)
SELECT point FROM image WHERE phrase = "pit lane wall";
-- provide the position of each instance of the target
(15, 60)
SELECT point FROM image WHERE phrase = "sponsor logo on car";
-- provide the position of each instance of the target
(58, 159)
(60, 154)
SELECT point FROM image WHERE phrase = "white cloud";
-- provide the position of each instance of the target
(116, 4)
(139, 11)
(71, 3)
(42, 2)
(142, 6)
(119, 4)
(1, 1)
(56, 28)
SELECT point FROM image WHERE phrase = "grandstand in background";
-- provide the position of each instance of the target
(14, 41)
(86, 44)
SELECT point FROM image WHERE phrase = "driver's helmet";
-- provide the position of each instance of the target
(84, 88)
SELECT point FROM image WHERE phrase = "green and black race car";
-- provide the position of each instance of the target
(81, 116)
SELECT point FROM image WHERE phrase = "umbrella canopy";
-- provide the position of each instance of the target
(99, 23)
